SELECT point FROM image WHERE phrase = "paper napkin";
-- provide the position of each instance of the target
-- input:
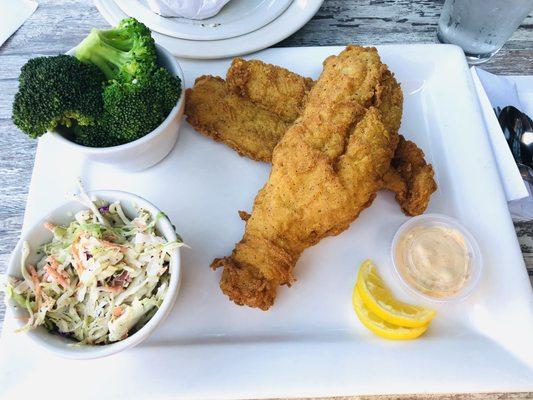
(496, 91)
(524, 86)
(192, 9)
(13, 13)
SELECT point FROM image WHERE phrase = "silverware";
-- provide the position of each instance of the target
(517, 128)
(526, 172)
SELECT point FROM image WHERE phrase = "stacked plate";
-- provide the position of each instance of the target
(242, 26)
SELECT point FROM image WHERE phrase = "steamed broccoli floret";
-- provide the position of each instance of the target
(126, 52)
(131, 110)
(57, 90)
(94, 136)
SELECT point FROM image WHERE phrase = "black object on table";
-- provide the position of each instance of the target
(518, 130)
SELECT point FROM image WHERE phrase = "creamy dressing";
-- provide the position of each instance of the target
(434, 260)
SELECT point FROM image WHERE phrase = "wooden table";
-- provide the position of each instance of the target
(58, 25)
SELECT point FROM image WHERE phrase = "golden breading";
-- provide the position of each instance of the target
(326, 169)
(217, 112)
(389, 101)
(282, 92)
(274, 88)
(416, 175)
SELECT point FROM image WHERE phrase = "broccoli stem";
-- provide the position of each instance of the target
(115, 38)
(124, 53)
(106, 50)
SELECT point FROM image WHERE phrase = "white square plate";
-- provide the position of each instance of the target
(310, 343)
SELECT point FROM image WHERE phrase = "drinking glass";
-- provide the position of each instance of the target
(481, 27)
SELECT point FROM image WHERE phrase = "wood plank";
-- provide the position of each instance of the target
(372, 22)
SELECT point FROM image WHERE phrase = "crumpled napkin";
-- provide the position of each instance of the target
(192, 9)
(13, 13)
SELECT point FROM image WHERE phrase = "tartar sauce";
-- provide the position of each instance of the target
(434, 260)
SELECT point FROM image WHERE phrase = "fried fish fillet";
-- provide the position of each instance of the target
(284, 93)
(275, 88)
(326, 169)
(223, 115)
(213, 110)
(415, 174)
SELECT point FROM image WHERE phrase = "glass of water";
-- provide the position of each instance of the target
(481, 27)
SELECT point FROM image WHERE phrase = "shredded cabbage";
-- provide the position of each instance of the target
(100, 279)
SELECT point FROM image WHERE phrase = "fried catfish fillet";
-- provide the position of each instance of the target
(326, 169)
(275, 88)
(214, 111)
(283, 92)
(217, 112)
(410, 178)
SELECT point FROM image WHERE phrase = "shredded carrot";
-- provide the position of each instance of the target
(36, 283)
(53, 262)
(117, 311)
(57, 276)
(55, 265)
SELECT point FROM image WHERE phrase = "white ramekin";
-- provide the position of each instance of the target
(37, 235)
(151, 148)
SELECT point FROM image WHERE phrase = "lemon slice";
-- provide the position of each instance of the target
(378, 299)
(381, 327)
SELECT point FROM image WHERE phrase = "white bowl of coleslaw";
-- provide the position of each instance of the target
(105, 278)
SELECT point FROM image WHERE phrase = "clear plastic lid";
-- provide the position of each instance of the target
(436, 258)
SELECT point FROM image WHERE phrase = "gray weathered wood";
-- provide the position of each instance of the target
(59, 24)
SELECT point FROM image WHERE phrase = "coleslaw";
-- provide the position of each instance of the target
(100, 279)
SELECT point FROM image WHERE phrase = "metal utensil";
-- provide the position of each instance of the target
(517, 128)
(526, 172)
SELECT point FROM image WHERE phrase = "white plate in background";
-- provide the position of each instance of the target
(295, 16)
(310, 343)
(237, 18)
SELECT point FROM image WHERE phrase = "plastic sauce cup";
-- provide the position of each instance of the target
(472, 249)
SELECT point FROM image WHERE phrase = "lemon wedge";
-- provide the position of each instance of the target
(381, 327)
(381, 302)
